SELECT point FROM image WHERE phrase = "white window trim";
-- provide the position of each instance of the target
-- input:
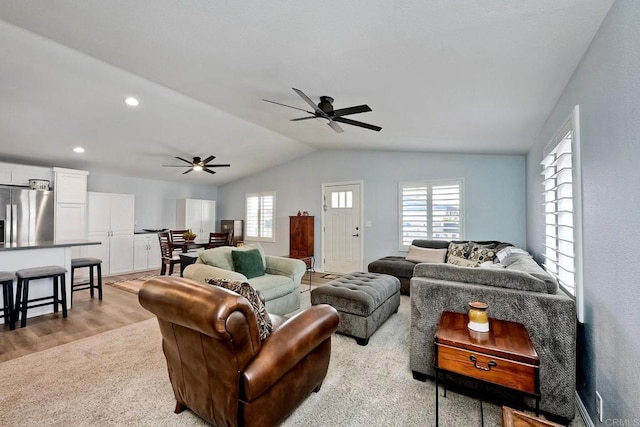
(273, 219)
(405, 248)
(573, 123)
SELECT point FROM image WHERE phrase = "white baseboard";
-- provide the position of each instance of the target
(583, 412)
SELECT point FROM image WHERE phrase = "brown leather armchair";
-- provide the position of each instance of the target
(218, 366)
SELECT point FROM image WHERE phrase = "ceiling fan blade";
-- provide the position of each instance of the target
(351, 110)
(285, 105)
(304, 118)
(217, 166)
(356, 123)
(333, 125)
(318, 111)
(209, 171)
(187, 171)
(309, 101)
(172, 166)
(184, 160)
(208, 159)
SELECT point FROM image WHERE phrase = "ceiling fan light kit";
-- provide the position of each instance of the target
(324, 110)
(197, 164)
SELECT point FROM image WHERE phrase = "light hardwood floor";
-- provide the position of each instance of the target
(88, 317)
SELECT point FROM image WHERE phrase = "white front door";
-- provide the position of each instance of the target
(342, 228)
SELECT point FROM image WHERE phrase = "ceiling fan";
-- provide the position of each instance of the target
(198, 165)
(324, 110)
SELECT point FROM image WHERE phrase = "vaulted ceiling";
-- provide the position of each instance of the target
(477, 76)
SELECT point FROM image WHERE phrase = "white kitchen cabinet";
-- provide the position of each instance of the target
(146, 252)
(110, 220)
(70, 212)
(70, 185)
(14, 174)
(197, 215)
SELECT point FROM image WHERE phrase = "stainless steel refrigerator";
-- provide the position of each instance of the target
(26, 216)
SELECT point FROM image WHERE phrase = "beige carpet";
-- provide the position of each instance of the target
(120, 378)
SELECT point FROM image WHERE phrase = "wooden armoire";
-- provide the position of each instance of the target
(300, 236)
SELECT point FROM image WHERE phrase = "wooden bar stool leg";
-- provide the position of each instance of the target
(99, 282)
(9, 304)
(55, 294)
(25, 298)
(91, 281)
(63, 292)
(16, 307)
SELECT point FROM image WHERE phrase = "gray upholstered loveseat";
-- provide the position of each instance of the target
(522, 292)
(279, 285)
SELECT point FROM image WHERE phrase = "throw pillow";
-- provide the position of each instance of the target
(248, 263)
(244, 289)
(482, 254)
(461, 262)
(458, 250)
(417, 254)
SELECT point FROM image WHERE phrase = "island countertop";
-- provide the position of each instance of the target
(46, 244)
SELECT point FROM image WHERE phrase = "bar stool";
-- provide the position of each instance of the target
(25, 276)
(6, 281)
(82, 263)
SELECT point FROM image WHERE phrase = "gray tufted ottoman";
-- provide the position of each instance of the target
(363, 300)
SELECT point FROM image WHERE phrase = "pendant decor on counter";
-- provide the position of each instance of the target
(478, 317)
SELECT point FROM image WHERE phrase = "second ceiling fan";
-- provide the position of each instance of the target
(324, 110)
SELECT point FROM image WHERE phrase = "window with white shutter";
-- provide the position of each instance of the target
(430, 210)
(260, 212)
(562, 214)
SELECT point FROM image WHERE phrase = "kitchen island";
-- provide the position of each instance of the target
(17, 256)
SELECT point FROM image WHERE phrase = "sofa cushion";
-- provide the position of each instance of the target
(221, 257)
(461, 262)
(503, 278)
(252, 295)
(273, 286)
(418, 254)
(434, 244)
(248, 263)
(527, 264)
(392, 265)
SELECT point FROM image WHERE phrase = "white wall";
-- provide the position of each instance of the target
(155, 200)
(494, 193)
(606, 85)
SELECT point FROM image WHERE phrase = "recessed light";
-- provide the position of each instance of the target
(131, 101)
(78, 150)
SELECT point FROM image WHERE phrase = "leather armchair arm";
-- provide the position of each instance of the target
(287, 346)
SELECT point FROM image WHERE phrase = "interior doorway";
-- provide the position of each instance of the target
(342, 232)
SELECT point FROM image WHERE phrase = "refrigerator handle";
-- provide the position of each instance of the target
(7, 225)
(14, 223)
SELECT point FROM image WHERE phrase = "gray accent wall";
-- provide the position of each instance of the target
(155, 200)
(494, 193)
(606, 85)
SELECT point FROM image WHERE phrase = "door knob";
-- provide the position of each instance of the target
(355, 235)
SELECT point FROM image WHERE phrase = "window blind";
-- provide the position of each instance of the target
(430, 211)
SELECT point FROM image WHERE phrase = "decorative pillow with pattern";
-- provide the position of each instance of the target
(481, 254)
(461, 262)
(459, 250)
(246, 290)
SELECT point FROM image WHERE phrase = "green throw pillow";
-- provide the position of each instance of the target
(248, 263)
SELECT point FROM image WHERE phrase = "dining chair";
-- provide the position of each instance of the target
(168, 256)
(218, 239)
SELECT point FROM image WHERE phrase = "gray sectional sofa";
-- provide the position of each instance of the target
(402, 269)
(521, 292)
